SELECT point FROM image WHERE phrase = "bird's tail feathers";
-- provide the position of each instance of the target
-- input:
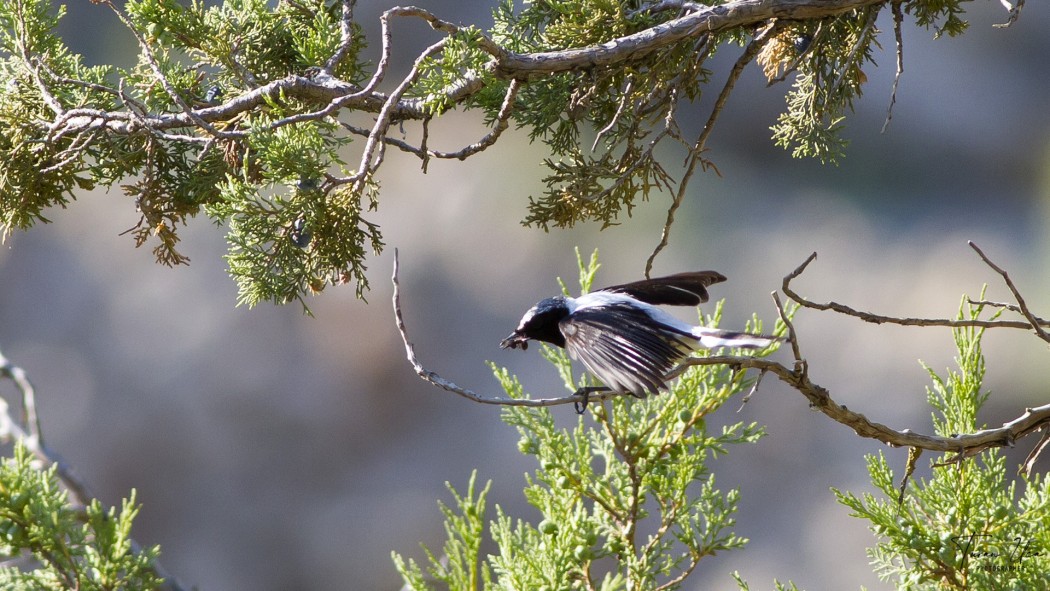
(712, 338)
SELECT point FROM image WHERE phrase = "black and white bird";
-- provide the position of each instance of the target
(620, 335)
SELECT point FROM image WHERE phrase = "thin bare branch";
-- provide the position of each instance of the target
(147, 52)
(898, 22)
(882, 319)
(751, 392)
(964, 445)
(1029, 462)
(448, 385)
(383, 120)
(820, 399)
(851, 59)
(909, 469)
(502, 123)
(1021, 305)
(32, 435)
(696, 152)
(424, 153)
(624, 95)
(346, 35)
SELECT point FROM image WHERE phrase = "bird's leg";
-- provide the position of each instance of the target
(584, 395)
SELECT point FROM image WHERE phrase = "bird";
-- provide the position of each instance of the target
(623, 338)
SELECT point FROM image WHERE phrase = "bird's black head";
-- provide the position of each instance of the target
(539, 323)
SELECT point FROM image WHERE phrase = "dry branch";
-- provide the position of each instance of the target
(798, 378)
(883, 319)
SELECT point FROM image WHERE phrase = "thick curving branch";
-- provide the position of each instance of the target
(702, 20)
(340, 95)
(964, 445)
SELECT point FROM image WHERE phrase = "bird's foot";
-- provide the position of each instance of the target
(584, 395)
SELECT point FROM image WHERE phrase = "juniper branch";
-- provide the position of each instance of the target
(798, 378)
(28, 432)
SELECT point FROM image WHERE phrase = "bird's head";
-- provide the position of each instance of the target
(539, 323)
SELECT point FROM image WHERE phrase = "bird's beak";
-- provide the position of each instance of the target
(514, 341)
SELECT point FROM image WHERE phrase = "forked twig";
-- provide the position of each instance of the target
(883, 319)
(1034, 322)
(1029, 462)
(1032, 420)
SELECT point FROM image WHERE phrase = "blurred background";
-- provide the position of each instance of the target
(274, 451)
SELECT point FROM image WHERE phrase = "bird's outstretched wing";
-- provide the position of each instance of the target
(682, 289)
(624, 347)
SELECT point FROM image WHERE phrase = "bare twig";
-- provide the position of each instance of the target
(624, 95)
(909, 469)
(700, 146)
(851, 59)
(1021, 305)
(448, 385)
(898, 21)
(369, 160)
(792, 337)
(32, 436)
(502, 123)
(1029, 462)
(820, 399)
(424, 153)
(346, 35)
(882, 319)
(964, 445)
(751, 392)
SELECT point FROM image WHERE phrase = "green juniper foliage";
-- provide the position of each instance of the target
(246, 111)
(828, 80)
(967, 526)
(88, 549)
(626, 497)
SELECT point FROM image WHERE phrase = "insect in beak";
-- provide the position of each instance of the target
(514, 341)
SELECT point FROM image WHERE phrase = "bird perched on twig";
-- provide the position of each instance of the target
(620, 335)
